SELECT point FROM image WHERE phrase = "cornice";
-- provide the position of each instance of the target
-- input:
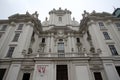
(4, 21)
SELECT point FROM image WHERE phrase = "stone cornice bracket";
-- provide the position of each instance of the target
(52, 35)
(13, 24)
(30, 23)
(91, 22)
(108, 22)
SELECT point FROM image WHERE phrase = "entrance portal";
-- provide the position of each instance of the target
(62, 72)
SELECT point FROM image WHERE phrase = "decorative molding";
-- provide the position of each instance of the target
(13, 24)
(30, 23)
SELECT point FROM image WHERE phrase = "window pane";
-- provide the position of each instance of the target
(113, 50)
(107, 37)
(78, 40)
(15, 39)
(101, 24)
(117, 24)
(20, 27)
(61, 47)
(2, 73)
(60, 18)
(118, 70)
(10, 51)
(3, 27)
(97, 76)
(43, 40)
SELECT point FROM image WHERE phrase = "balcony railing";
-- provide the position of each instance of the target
(62, 55)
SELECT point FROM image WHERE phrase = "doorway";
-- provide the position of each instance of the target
(62, 72)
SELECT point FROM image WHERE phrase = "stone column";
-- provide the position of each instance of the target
(69, 42)
(27, 36)
(48, 44)
(52, 42)
(73, 43)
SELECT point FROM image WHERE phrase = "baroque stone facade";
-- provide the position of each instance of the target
(60, 48)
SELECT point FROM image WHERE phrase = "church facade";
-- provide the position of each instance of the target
(60, 48)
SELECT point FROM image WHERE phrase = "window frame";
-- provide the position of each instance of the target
(60, 18)
(113, 49)
(4, 27)
(101, 24)
(117, 24)
(20, 26)
(60, 47)
(16, 37)
(106, 35)
(10, 51)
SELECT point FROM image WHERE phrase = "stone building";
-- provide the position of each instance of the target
(60, 48)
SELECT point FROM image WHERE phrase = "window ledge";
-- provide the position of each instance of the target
(103, 29)
(18, 31)
(109, 41)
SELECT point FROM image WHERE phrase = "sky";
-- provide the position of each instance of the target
(11, 7)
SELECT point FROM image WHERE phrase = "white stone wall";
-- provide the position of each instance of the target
(13, 72)
(47, 75)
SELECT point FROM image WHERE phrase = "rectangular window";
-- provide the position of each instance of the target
(62, 72)
(60, 47)
(43, 40)
(106, 35)
(3, 28)
(15, 39)
(100, 23)
(117, 25)
(113, 50)
(78, 40)
(26, 76)
(98, 76)
(60, 19)
(20, 27)
(2, 73)
(10, 51)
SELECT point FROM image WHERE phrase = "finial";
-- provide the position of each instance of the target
(114, 7)
(46, 18)
(73, 19)
(85, 12)
(59, 8)
(35, 14)
(94, 11)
